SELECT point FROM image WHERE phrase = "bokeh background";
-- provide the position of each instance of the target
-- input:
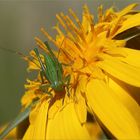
(20, 22)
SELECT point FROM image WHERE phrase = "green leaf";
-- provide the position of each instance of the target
(22, 116)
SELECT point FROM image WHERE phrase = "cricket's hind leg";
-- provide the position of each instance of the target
(41, 75)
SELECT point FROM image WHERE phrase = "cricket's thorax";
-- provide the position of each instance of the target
(58, 86)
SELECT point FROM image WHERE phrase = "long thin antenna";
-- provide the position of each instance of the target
(12, 51)
(18, 53)
(60, 47)
(59, 54)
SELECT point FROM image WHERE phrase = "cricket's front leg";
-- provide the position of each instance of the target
(45, 88)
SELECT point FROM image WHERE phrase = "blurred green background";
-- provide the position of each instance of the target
(20, 22)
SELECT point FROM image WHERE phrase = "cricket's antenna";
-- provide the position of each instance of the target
(66, 37)
(20, 54)
(12, 51)
(60, 47)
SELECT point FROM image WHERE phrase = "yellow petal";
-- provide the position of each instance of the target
(41, 122)
(83, 80)
(133, 57)
(86, 23)
(121, 70)
(55, 108)
(127, 9)
(29, 133)
(27, 98)
(126, 99)
(80, 103)
(94, 130)
(131, 22)
(37, 129)
(66, 126)
(80, 108)
(110, 111)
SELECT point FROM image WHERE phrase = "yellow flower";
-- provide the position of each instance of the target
(102, 71)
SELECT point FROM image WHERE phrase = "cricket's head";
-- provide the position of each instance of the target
(58, 86)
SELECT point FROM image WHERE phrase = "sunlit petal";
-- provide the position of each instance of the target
(121, 70)
(111, 111)
(66, 125)
(37, 127)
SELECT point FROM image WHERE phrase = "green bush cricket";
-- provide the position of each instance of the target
(52, 70)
